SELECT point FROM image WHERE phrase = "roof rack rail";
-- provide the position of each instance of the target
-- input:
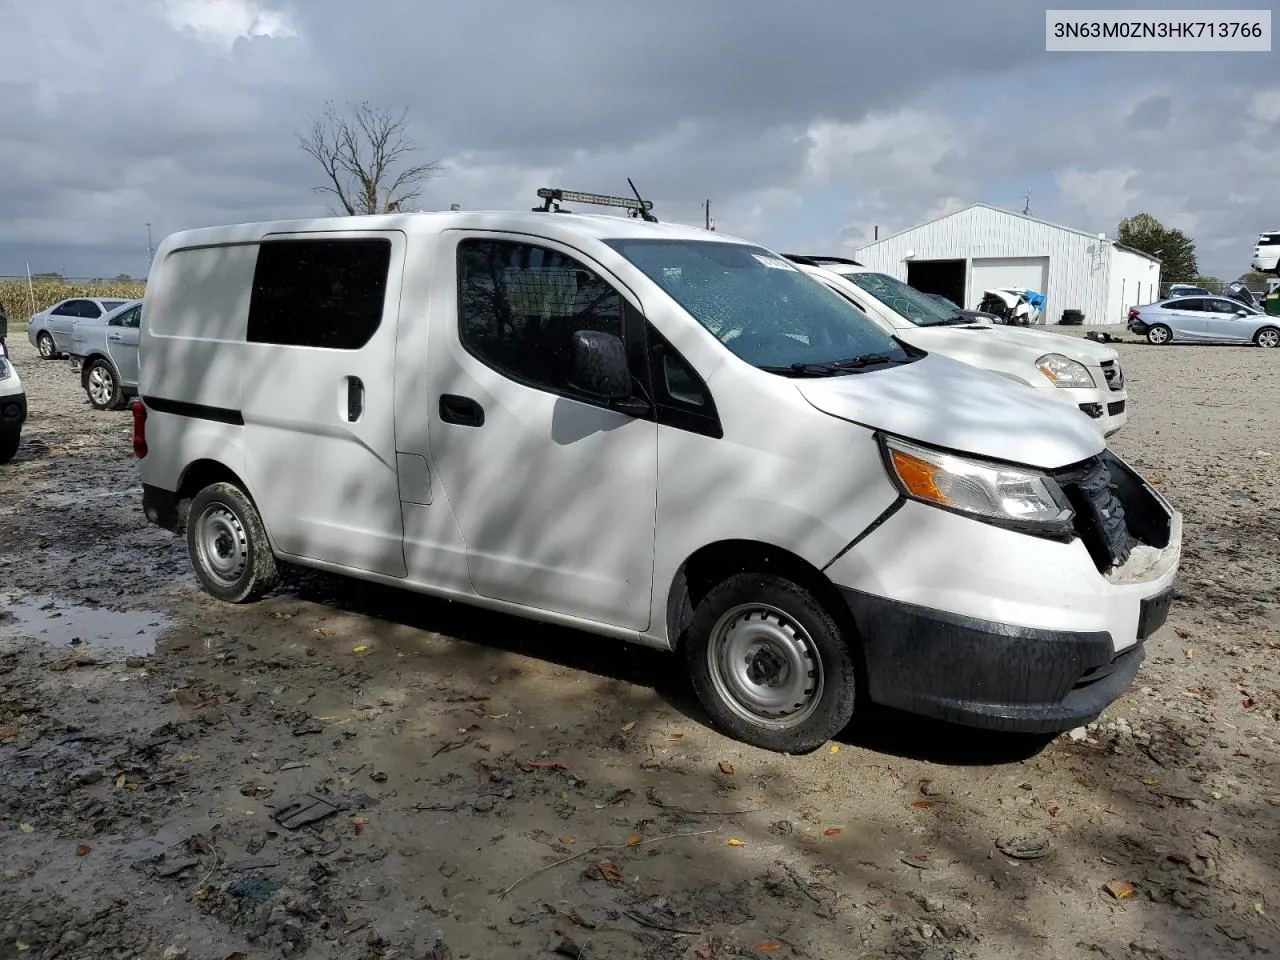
(552, 197)
(797, 258)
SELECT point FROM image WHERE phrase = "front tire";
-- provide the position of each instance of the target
(103, 387)
(770, 664)
(1268, 337)
(48, 349)
(228, 545)
(1158, 334)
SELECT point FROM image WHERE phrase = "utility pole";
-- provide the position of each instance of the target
(706, 214)
(1026, 207)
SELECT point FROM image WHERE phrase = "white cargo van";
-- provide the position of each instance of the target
(654, 433)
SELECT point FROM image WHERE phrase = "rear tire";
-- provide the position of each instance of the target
(1268, 337)
(9, 448)
(770, 664)
(102, 386)
(48, 349)
(1158, 334)
(228, 545)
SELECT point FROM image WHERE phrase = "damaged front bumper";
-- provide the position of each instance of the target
(987, 627)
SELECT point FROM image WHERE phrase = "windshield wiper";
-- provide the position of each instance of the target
(833, 368)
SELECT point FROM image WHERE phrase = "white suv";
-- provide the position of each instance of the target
(1079, 373)
(1266, 255)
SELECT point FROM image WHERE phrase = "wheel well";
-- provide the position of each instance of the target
(717, 561)
(199, 475)
(1261, 330)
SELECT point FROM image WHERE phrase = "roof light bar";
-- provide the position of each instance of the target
(552, 197)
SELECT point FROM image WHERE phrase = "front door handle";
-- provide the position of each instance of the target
(355, 398)
(461, 410)
(114, 336)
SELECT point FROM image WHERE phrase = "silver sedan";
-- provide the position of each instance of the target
(50, 330)
(1205, 320)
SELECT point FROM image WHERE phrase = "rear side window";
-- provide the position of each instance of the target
(1269, 240)
(129, 318)
(1193, 304)
(319, 293)
(519, 306)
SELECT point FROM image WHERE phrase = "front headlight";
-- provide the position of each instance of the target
(1065, 372)
(1016, 497)
(4, 368)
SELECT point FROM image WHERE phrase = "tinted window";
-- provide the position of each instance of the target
(67, 309)
(127, 318)
(519, 306)
(110, 305)
(1269, 240)
(758, 305)
(1193, 304)
(319, 293)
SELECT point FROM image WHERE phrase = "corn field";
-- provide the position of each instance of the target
(16, 297)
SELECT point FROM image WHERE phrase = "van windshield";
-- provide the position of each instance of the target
(917, 307)
(763, 309)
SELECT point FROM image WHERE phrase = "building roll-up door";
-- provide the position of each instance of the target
(989, 273)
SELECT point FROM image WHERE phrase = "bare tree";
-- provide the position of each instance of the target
(366, 155)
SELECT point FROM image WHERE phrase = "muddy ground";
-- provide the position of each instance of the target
(504, 789)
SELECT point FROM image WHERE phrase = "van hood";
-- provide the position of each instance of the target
(948, 404)
(1077, 348)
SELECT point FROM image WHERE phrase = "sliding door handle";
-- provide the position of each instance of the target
(461, 410)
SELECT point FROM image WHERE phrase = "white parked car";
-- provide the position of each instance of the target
(1079, 373)
(13, 408)
(1266, 253)
(654, 433)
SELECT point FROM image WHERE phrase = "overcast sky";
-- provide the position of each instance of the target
(806, 123)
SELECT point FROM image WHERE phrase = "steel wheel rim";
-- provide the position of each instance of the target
(765, 666)
(222, 543)
(1158, 335)
(101, 385)
(1268, 338)
(46, 345)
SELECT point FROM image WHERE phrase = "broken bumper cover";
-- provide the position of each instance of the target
(981, 673)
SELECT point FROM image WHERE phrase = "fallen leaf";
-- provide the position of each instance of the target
(568, 840)
(360, 649)
(674, 736)
(21, 946)
(628, 727)
(768, 946)
(548, 765)
(726, 767)
(923, 804)
(1274, 801)
(758, 799)
(894, 778)
(188, 757)
(609, 870)
(832, 832)
(1189, 653)
(633, 840)
(26, 827)
(82, 849)
(359, 823)
(1181, 858)
(1248, 703)
(120, 781)
(8, 733)
(1257, 908)
(1119, 889)
(178, 647)
(1181, 632)
(735, 842)
(835, 748)
(1054, 811)
(1150, 782)
(185, 698)
(1108, 861)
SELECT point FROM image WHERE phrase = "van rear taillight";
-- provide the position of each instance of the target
(139, 427)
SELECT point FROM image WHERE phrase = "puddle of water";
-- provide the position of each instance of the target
(65, 624)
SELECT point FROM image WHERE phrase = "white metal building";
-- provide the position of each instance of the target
(981, 247)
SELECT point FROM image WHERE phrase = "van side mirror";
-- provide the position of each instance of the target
(598, 365)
